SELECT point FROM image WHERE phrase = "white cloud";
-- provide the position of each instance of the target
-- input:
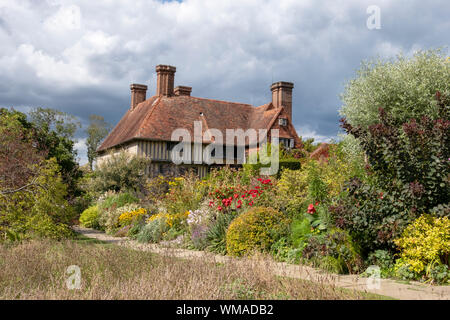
(81, 149)
(66, 19)
(306, 132)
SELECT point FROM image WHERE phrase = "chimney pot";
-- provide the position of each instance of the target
(165, 80)
(183, 91)
(138, 94)
(282, 96)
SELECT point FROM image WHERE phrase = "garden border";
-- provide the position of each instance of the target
(390, 288)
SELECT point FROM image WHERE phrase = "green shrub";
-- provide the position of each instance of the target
(334, 251)
(384, 260)
(292, 189)
(409, 169)
(112, 205)
(255, 230)
(217, 232)
(300, 232)
(120, 172)
(89, 218)
(153, 231)
(425, 249)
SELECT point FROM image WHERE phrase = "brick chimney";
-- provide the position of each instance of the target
(165, 80)
(282, 96)
(138, 94)
(183, 91)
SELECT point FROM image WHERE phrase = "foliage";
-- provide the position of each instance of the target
(63, 124)
(335, 251)
(425, 246)
(153, 231)
(48, 140)
(216, 238)
(300, 231)
(256, 229)
(384, 260)
(111, 206)
(404, 87)
(96, 132)
(409, 170)
(55, 131)
(40, 209)
(89, 218)
(411, 161)
(185, 193)
(121, 171)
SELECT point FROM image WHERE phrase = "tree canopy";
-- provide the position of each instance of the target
(404, 87)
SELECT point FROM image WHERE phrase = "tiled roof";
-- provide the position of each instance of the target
(158, 116)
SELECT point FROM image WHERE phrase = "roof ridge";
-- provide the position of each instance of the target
(222, 101)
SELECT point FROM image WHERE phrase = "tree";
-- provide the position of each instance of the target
(404, 88)
(50, 120)
(121, 171)
(20, 153)
(97, 131)
(32, 193)
(55, 131)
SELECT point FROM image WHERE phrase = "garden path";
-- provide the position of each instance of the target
(387, 287)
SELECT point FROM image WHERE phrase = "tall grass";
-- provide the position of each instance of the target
(36, 270)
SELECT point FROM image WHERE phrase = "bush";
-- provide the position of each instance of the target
(255, 230)
(109, 220)
(120, 172)
(425, 249)
(300, 232)
(39, 209)
(334, 251)
(89, 218)
(292, 189)
(409, 169)
(111, 205)
(216, 238)
(405, 87)
(153, 231)
(384, 260)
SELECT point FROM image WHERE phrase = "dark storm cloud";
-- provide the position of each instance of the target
(81, 56)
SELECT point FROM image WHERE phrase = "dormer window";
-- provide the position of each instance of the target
(282, 122)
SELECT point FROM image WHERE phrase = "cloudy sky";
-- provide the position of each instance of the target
(81, 56)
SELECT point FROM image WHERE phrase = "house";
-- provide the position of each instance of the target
(146, 128)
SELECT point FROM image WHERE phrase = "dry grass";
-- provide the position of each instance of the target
(36, 270)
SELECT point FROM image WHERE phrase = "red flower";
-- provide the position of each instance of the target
(381, 195)
(211, 203)
(219, 208)
(317, 203)
(311, 209)
(236, 196)
(251, 203)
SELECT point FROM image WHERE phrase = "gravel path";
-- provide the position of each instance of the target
(387, 287)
